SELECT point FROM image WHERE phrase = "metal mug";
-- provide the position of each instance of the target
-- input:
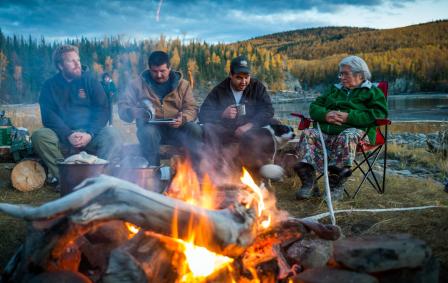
(241, 109)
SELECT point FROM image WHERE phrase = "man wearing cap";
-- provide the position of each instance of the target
(234, 106)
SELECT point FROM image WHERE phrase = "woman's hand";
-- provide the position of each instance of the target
(336, 117)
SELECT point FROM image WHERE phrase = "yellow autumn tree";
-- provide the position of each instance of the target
(162, 44)
(3, 65)
(192, 71)
(227, 67)
(175, 58)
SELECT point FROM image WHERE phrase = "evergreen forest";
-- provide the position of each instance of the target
(413, 58)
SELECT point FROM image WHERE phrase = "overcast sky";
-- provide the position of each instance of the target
(212, 21)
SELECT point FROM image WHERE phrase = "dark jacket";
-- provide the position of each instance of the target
(363, 104)
(79, 105)
(259, 110)
(179, 99)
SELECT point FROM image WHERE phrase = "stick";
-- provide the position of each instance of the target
(326, 214)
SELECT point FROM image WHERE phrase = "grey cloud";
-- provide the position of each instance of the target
(207, 20)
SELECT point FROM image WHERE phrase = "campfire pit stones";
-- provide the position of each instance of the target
(381, 253)
(310, 252)
(386, 258)
(332, 275)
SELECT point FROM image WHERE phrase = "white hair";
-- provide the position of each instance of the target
(357, 65)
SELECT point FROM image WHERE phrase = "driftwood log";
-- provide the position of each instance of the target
(107, 198)
(28, 175)
(61, 222)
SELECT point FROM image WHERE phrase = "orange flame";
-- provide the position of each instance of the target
(133, 229)
(202, 262)
(186, 186)
(199, 263)
(259, 198)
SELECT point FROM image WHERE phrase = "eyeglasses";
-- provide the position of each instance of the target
(345, 74)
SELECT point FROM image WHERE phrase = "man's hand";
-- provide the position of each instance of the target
(242, 129)
(230, 112)
(79, 139)
(177, 122)
(140, 113)
(336, 117)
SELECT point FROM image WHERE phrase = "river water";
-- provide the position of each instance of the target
(433, 107)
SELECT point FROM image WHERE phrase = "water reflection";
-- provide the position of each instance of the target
(401, 107)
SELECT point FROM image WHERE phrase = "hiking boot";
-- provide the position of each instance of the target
(53, 182)
(307, 176)
(337, 178)
(343, 172)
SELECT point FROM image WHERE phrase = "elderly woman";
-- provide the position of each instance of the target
(345, 112)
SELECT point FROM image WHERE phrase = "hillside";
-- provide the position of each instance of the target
(316, 43)
(413, 58)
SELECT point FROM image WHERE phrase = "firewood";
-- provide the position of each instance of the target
(28, 175)
(105, 198)
(141, 254)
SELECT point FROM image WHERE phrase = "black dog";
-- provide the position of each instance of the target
(258, 147)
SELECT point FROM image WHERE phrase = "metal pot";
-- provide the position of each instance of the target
(72, 175)
(147, 178)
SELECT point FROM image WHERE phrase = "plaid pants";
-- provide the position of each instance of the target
(341, 149)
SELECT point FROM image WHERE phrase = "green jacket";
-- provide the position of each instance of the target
(364, 104)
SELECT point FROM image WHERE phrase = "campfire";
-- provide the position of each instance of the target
(111, 230)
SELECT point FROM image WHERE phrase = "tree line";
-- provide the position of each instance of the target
(25, 63)
(412, 58)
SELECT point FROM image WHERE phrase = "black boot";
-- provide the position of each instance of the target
(337, 178)
(307, 176)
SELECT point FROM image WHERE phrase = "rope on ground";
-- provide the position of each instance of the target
(317, 217)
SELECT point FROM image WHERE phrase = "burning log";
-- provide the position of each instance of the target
(106, 198)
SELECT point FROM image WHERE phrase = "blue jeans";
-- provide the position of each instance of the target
(151, 136)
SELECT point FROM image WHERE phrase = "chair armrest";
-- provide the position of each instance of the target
(382, 122)
(305, 122)
(300, 115)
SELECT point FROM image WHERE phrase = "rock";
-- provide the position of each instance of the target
(405, 173)
(381, 252)
(429, 273)
(60, 276)
(361, 226)
(310, 253)
(332, 275)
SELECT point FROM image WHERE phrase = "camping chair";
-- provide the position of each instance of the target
(366, 153)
